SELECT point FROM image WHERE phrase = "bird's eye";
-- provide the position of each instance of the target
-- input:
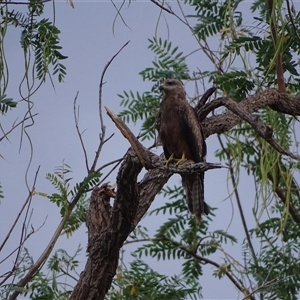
(170, 82)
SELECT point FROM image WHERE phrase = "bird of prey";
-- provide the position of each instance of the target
(181, 136)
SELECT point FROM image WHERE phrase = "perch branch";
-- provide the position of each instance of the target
(137, 147)
(153, 161)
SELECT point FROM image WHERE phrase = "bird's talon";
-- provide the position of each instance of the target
(181, 160)
(169, 159)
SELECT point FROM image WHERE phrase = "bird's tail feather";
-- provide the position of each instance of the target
(194, 189)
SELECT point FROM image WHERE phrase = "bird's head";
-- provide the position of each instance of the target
(168, 85)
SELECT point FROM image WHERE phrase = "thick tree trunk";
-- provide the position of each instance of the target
(109, 227)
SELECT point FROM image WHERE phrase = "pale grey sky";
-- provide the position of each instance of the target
(89, 42)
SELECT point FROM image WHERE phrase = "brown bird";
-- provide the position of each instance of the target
(181, 136)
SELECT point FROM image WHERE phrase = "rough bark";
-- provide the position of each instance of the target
(221, 123)
(108, 228)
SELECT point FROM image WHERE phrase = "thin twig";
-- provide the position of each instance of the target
(48, 249)
(162, 7)
(68, 274)
(25, 3)
(26, 238)
(24, 226)
(16, 125)
(41, 260)
(292, 19)
(17, 261)
(205, 97)
(76, 118)
(103, 128)
(29, 197)
(110, 163)
(108, 174)
(106, 140)
(118, 14)
(206, 49)
(263, 286)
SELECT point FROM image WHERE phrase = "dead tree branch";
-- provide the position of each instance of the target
(152, 161)
(103, 128)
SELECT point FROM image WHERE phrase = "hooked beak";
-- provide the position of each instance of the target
(161, 87)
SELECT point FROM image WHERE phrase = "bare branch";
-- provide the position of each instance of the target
(17, 261)
(15, 126)
(162, 7)
(112, 169)
(103, 128)
(138, 148)
(110, 163)
(24, 3)
(204, 98)
(43, 257)
(27, 201)
(76, 118)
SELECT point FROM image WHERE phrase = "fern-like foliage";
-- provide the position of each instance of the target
(235, 84)
(142, 282)
(215, 17)
(65, 196)
(77, 217)
(181, 237)
(47, 50)
(47, 286)
(62, 261)
(39, 35)
(61, 198)
(6, 103)
(141, 107)
(169, 63)
(247, 43)
(278, 262)
(13, 17)
(86, 184)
